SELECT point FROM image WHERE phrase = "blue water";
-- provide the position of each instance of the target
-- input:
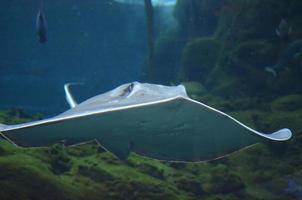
(95, 42)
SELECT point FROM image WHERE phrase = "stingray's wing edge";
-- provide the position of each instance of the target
(280, 135)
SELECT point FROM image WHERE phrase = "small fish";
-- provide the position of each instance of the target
(41, 25)
(284, 29)
(271, 70)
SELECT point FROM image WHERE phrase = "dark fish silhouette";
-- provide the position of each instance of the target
(284, 29)
(41, 25)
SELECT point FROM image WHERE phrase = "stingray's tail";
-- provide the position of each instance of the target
(69, 97)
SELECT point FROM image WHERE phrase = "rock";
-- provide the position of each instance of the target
(255, 53)
(245, 20)
(60, 161)
(287, 103)
(151, 170)
(134, 190)
(190, 185)
(223, 181)
(94, 173)
(197, 17)
(199, 58)
(194, 88)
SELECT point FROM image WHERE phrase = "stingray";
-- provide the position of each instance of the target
(155, 121)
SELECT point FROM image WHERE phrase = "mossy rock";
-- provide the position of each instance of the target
(269, 121)
(231, 89)
(96, 174)
(287, 82)
(277, 120)
(177, 165)
(287, 103)
(240, 72)
(216, 102)
(84, 150)
(249, 117)
(197, 17)
(199, 58)
(245, 20)
(6, 148)
(246, 67)
(249, 82)
(151, 170)
(256, 53)
(21, 183)
(133, 190)
(223, 181)
(190, 185)
(194, 88)
(60, 160)
(237, 105)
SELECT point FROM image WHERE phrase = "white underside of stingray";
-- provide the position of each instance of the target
(156, 121)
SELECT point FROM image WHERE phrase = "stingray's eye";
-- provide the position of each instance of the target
(130, 88)
(127, 90)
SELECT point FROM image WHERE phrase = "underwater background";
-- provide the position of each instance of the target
(243, 57)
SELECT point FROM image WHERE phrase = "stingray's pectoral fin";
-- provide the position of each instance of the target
(69, 97)
(280, 135)
(2, 128)
(120, 149)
